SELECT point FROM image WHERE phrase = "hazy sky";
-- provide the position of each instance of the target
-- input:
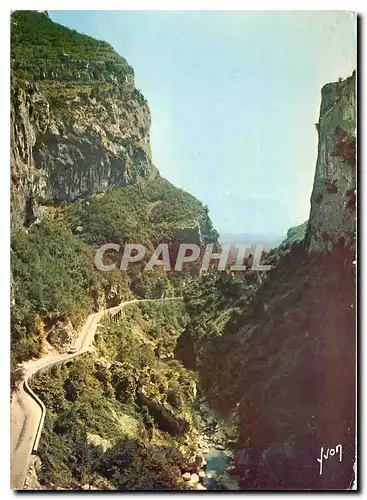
(234, 97)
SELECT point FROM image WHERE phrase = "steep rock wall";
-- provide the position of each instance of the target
(333, 196)
(78, 126)
(286, 364)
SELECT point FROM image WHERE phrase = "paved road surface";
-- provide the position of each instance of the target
(26, 412)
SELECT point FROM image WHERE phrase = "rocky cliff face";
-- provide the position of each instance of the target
(285, 360)
(80, 129)
(78, 126)
(333, 196)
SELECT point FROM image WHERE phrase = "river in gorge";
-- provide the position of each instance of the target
(216, 437)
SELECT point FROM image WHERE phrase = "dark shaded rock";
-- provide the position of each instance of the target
(164, 419)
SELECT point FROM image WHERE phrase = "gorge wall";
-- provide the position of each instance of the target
(78, 125)
(81, 174)
(280, 354)
(333, 196)
(276, 350)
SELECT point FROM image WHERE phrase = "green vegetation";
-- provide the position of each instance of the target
(275, 351)
(295, 236)
(34, 38)
(148, 213)
(111, 419)
(285, 365)
(119, 417)
(80, 403)
(155, 285)
(52, 278)
(213, 302)
(131, 465)
(161, 323)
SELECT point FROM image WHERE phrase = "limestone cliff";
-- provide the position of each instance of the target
(333, 197)
(78, 124)
(284, 361)
(80, 129)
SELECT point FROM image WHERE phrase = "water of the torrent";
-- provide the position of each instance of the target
(217, 452)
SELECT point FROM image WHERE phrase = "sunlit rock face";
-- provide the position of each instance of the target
(77, 126)
(332, 215)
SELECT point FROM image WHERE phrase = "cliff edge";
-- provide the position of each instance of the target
(332, 215)
(78, 124)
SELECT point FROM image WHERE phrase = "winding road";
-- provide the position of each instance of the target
(28, 411)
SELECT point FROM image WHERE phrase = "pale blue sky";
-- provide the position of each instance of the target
(234, 97)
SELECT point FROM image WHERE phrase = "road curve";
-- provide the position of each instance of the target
(27, 410)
